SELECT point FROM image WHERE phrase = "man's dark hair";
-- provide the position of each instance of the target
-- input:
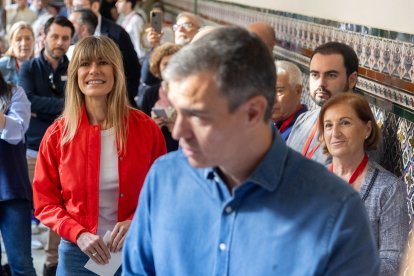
(133, 3)
(348, 54)
(61, 21)
(89, 18)
(240, 61)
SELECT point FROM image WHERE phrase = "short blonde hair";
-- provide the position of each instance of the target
(15, 28)
(88, 49)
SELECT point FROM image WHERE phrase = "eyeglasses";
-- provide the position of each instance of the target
(186, 26)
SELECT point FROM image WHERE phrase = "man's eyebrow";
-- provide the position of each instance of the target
(194, 111)
(332, 71)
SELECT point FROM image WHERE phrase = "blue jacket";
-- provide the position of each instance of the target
(8, 69)
(38, 81)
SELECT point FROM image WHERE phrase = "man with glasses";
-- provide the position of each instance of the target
(186, 27)
(44, 80)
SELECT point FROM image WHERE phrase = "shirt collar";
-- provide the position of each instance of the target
(269, 171)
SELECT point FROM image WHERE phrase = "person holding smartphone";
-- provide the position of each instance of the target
(186, 27)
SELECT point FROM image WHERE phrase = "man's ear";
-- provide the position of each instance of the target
(352, 80)
(255, 109)
(298, 89)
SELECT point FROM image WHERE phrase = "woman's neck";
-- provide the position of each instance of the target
(97, 112)
(344, 167)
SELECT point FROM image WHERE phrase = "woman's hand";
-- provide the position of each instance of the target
(117, 238)
(153, 37)
(93, 246)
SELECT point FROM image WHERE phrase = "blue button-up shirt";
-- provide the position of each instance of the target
(290, 217)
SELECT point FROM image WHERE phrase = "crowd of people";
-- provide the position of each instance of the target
(191, 154)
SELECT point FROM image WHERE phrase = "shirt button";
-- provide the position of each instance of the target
(121, 158)
(121, 195)
(222, 246)
(228, 209)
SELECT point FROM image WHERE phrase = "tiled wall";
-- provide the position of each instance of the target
(386, 73)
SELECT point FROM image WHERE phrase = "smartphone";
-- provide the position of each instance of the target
(160, 112)
(156, 20)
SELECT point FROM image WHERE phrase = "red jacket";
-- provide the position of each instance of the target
(66, 181)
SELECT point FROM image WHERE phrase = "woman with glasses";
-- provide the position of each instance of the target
(93, 160)
(21, 43)
(15, 187)
(348, 130)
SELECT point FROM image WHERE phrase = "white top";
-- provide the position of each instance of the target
(108, 183)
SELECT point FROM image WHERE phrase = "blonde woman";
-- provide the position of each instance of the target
(21, 44)
(93, 160)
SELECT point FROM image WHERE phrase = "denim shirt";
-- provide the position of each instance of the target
(290, 217)
(9, 70)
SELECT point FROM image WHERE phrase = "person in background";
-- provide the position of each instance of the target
(186, 27)
(333, 69)
(3, 46)
(15, 186)
(85, 22)
(156, 96)
(66, 8)
(133, 23)
(19, 12)
(287, 106)
(93, 160)
(44, 79)
(2, 19)
(38, 6)
(235, 200)
(348, 130)
(265, 32)
(21, 41)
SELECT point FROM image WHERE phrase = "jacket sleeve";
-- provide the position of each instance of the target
(17, 118)
(40, 104)
(393, 226)
(159, 147)
(48, 200)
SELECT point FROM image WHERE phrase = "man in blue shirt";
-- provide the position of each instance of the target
(235, 200)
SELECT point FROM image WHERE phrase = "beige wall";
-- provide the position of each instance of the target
(395, 15)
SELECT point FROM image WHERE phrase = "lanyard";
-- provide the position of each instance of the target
(357, 171)
(308, 142)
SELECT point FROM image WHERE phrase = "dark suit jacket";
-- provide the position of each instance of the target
(129, 56)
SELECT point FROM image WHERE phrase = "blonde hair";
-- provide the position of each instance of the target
(88, 49)
(15, 28)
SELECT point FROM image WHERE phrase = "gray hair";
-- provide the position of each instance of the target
(292, 70)
(194, 18)
(241, 64)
